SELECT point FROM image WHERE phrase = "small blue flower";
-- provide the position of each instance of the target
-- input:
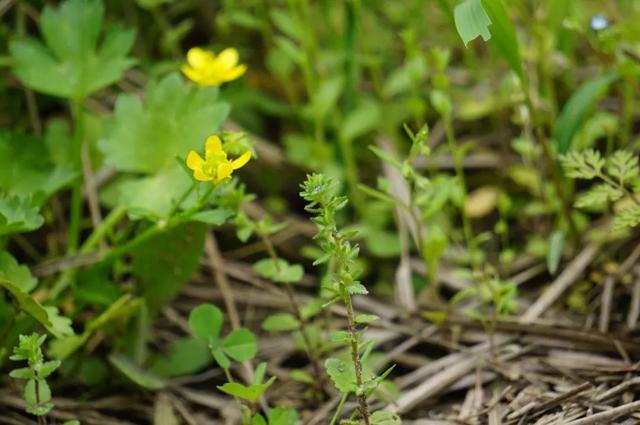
(599, 22)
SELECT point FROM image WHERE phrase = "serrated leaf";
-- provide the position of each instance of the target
(240, 345)
(174, 118)
(19, 275)
(26, 168)
(575, 110)
(60, 325)
(205, 322)
(586, 164)
(281, 322)
(70, 63)
(18, 215)
(135, 373)
(622, 165)
(598, 196)
(342, 374)
(628, 217)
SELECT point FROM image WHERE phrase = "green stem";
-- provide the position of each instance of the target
(355, 358)
(339, 408)
(548, 158)
(105, 228)
(75, 215)
(457, 161)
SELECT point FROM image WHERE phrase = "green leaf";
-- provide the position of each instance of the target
(472, 21)
(166, 261)
(27, 303)
(342, 374)
(622, 165)
(135, 373)
(586, 164)
(576, 109)
(153, 197)
(366, 318)
(326, 97)
(205, 322)
(282, 416)
(434, 246)
(18, 215)
(240, 345)
(220, 358)
(19, 275)
(27, 168)
(258, 375)
(628, 217)
(60, 325)
(361, 120)
(120, 309)
(281, 322)
(356, 288)
(503, 35)
(556, 244)
(23, 373)
(186, 356)
(598, 196)
(215, 217)
(48, 368)
(175, 118)
(283, 273)
(70, 63)
(383, 417)
(258, 420)
(250, 393)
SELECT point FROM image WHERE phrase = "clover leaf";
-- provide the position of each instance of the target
(71, 63)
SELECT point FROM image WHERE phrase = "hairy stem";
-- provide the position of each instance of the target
(363, 405)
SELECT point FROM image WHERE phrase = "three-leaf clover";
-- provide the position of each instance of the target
(206, 324)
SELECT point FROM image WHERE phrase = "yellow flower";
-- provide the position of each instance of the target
(215, 166)
(208, 69)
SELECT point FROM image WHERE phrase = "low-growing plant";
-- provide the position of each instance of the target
(340, 254)
(37, 393)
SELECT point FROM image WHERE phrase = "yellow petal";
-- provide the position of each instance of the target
(241, 160)
(200, 175)
(234, 72)
(213, 146)
(194, 75)
(224, 170)
(199, 58)
(194, 161)
(228, 58)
